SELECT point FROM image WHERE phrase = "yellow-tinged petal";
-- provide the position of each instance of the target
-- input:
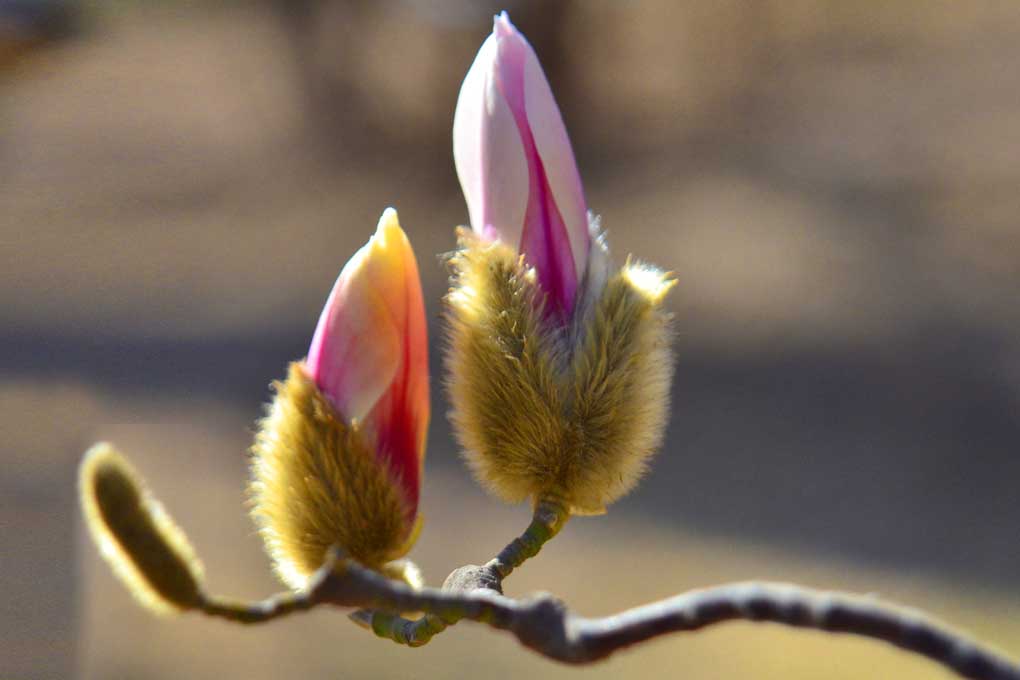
(400, 419)
(369, 355)
(355, 352)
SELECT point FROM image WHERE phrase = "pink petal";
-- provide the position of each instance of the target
(354, 352)
(488, 153)
(545, 240)
(369, 354)
(546, 247)
(553, 146)
(516, 165)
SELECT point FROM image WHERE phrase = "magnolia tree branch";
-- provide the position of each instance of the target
(544, 624)
(548, 519)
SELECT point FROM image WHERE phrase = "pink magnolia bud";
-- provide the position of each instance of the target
(369, 354)
(516, 165)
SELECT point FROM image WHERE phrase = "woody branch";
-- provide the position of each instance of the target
(545, 625)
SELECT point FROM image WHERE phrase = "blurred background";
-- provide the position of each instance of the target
(834, 184)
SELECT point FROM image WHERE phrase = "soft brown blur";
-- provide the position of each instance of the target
(835, 185)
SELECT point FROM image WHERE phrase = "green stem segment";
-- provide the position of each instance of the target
(548, 519)
(402, 631)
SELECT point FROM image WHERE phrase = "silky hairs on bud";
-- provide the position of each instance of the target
(317, 483)
(548, 412)
(149, 553)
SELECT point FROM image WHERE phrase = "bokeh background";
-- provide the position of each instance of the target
(835, 185)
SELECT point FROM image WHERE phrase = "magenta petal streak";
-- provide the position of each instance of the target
(544, 240)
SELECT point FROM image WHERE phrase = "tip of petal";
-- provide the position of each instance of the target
(357, 340)
(501, 25)
(388, 228)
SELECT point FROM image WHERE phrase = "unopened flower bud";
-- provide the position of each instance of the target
(559, 368)
(516, 165)
(338, 459)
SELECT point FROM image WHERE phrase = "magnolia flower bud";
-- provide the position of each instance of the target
(338, 459)
(562, 407)
(139, 540)
(516, 165)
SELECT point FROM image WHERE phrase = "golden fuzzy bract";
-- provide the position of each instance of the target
(568, 414)
(149, 553)
(317, 482)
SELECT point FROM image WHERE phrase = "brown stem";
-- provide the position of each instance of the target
(546, 626)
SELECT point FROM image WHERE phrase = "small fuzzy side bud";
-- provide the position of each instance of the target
(139, 540)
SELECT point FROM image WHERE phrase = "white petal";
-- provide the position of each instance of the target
(467, 131)
(505, 168)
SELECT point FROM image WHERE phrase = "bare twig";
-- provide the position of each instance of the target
(545, 625)
(259, 611)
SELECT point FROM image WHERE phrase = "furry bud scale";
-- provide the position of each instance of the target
(317, 483)
(546, 411)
